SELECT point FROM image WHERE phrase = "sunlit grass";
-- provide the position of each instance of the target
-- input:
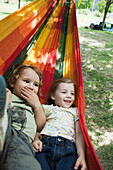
(97, 64)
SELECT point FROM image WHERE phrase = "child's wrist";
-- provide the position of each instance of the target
(37, 107)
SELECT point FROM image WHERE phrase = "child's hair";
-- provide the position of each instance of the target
(54, 87)
(18, 70)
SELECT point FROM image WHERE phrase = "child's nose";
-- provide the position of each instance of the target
(31, 86)
(69, 95)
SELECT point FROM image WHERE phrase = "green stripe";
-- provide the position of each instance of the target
(61, 50)
(26, 50)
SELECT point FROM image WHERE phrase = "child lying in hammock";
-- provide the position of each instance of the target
(26, 116)
(61, 131)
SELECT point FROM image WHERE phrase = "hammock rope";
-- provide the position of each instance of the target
(44, 33)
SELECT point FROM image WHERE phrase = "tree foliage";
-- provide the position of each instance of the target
(86, 4)
(102, 5)
(108, 3)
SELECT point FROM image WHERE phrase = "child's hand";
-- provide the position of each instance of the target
(37, 145)
(8, 100)
(80, 163)
(30, 96)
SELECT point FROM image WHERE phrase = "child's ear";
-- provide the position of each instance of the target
(53, 98)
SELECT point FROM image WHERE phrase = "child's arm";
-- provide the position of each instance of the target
(37, 144)
(33, 100)
(80, 144)
(39, 116)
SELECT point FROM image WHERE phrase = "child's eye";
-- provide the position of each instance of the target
(63, 92)
(72, 94)
(26, 81)
(36, 84)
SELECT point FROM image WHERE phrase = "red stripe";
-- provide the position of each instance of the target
(21, 42)
(81, 105)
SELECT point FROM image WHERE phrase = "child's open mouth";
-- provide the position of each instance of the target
(67, 101)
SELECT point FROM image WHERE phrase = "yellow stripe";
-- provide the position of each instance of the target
(11, 22)
(79, 3)
(68, 65)
(39, 45)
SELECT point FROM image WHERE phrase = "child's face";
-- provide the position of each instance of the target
(29, 79)
(64, 95)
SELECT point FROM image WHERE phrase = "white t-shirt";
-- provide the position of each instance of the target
(60, 121)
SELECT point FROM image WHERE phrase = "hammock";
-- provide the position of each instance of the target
(44, 33)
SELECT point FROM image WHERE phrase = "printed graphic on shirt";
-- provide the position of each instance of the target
(18, 116)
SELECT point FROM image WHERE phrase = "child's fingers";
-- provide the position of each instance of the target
(24, 92)
(27, 93)
(8, 100)
(35, 147)
(40, 146)
(28, 90)
(77, 164)
(7, 90)
(36, 150)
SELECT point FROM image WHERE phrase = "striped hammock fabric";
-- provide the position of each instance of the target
(44, 34)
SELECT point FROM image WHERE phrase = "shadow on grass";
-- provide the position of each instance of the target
(96, 47)
(97, 55)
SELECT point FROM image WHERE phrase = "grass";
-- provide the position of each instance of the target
(97, 64)
(6, 9)
(86, 17)
(4, 14)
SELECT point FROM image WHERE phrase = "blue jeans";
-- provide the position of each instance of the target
(58, 153)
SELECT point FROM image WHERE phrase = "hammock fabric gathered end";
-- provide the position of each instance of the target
(44, 33)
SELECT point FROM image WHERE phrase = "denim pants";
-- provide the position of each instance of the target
(58, 153)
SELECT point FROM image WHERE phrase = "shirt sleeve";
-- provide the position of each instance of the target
(46, 109)
(77, 116)
(75, 113)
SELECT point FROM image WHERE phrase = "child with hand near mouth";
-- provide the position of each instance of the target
(22, 119)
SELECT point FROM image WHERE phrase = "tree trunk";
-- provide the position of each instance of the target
(108, 3)
(19, 4)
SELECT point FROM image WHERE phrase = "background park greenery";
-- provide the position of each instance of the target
(97, 65)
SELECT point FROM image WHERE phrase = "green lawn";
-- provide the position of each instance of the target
(3, 14)
(97, 63)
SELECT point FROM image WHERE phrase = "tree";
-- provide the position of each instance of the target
(19, 4)
(108, 3)
(27, 1)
